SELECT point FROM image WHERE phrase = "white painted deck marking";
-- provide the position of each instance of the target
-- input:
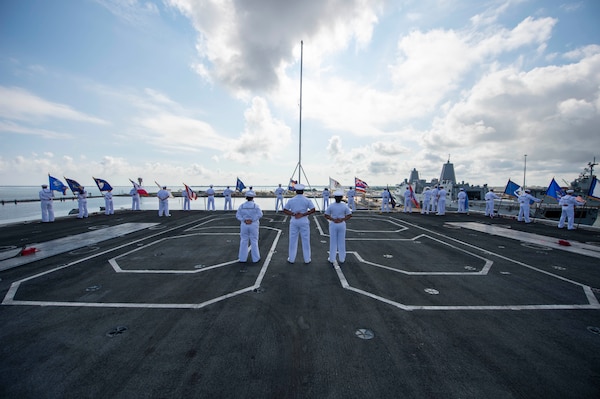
(551, 242)
(66, 244)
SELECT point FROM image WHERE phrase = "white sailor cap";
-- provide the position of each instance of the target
(299, 187)
(338, 193)
(570, 191)
(462, 189)
(250, 193)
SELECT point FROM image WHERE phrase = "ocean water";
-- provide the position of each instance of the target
(11, 212)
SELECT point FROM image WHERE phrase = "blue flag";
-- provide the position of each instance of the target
(512, 188)
(292, 185)
(594, 189)
(554, 190)
(102, 184)
(57, 185)
(74, 186)
(239, 186)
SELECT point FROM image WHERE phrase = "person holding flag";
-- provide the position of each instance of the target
(408, 202)
(568, 204)
(46, 197)
(135, 199)
(103, 185)
(525, 200)
(489, 197)
(186, 198)
(82, 203)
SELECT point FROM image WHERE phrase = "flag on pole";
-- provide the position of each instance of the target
(361, 186)
(412, 197)
(512, 188)
(392, 199)
(239, 185)
(139, 189)
(334, 184)
(74, 186)
(292, 185)
(554, 190)
(102, 184)
(190, 193)
(594, 189)
(57, 185)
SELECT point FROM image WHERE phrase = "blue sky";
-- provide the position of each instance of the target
(202, 92)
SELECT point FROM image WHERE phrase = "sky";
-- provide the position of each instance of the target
(205, 91)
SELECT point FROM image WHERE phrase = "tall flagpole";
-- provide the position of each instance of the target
(300, 119)
(524, 171)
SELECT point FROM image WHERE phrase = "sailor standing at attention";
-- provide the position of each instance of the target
(350, 194)
(227, 194)
(249, 214)
(135, 199)
(524, 203)
(82, 202)
(385, 200)
(46, 196)
(568, 204)
(426, 201)
(299, 208)
(489, 197)
(441, 201)
(325, 198)
(408, 204)
(108, 203)
(462, 201)
(279, 198)
(434, 198)
(211, 198)
(337, 214)
(163, 201)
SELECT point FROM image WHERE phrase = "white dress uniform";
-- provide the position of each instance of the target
(227, 194)
(249, 214)
(385, 201)
(337, 214)
(568, 204)
(426, 201)
(108, 203)
(441, 203)
(211, 198)
(489, 197)
(299, 207)
(350, 194)
(462, 201)
(82, 202)
(135, 199)
(408, 204)
(46, 197)
(434, 199)
(186, 199)
(279, 198)
(163, 202)
(325, 198)
(524, 203)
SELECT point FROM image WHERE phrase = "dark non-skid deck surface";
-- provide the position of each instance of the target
(459, 306)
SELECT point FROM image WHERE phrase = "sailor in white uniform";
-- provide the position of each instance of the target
(108, 203)
(426, 201)
(462, 201)
(524, 203)
(441, 203)
(279, 198)
(186, 199)
(337, 214)
(385, 200)
(408, 204)
(135, 199)
(249, 214)
(299, 208)
(227, 194)
(325, 198)
(211, 198)
(489, 197)
(163, 201)
(46, 197)
(568, 204)
(350, 195)
(82, 203)
(434, 198)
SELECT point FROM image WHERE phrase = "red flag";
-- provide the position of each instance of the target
(190, 192)
(412, 197)
(139, 189)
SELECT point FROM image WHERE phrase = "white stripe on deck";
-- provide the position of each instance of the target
(550, 242)
(70, 243)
